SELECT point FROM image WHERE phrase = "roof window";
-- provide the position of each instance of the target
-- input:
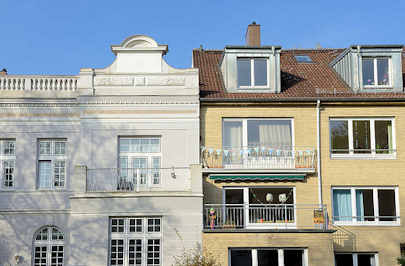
(303, 59)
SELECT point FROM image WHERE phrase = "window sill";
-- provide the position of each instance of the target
(391, 156)
(367, 223)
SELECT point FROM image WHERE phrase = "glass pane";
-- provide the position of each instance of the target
(361, 136)
(45, 174)
(386, 204)
(244, 72)
(156, 170)
(124, 145)
(342, 205)
(260, 71)
(382, 70)
(9, 147)
(344, 259)
(383, 136)
(268, 258)
(274, 134)
(232, 138)
(364, 205)
(241, 258)
(365, 260)
(123, 167)
(44, 147)
(233, 196)
(339, 136)
(293, 257)
(368, 71)
(140, 166)
(60, 148)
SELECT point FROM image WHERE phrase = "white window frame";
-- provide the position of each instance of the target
(280, 253)
(252, 72)
(7, 158)
(245, 128)
(246, 200)
(145, 235)
(376, 72)
(376, 221)
(373, 154)
(149, 156)
(48, 244)
(355, 257)
(53, 158)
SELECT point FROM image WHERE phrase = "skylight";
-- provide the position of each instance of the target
(303, 59)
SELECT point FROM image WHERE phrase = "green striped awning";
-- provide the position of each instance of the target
(256, 177)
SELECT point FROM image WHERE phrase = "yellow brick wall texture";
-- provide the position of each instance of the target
(348, 172)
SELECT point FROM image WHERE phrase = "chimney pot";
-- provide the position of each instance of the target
(253, 34)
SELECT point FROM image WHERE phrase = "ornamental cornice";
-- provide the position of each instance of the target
(155, 100)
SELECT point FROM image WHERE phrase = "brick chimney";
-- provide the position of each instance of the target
(3, 72)
(253, 34)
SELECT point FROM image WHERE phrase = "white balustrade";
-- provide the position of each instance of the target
(38, 83)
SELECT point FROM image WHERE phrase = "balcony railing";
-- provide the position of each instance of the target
(136, 179)
(265, 216)
(258, 158)
(38, 83)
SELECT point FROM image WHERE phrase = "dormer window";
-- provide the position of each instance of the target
(376, 71)
(252, 72)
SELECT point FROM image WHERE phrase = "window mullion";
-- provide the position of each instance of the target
(350, 131)
(280, 253)
(244, 134)
(355, 259)
(372, 136)
(376, 209)
(375, 72)
(354, 207)
(252, 72)
(254, 257)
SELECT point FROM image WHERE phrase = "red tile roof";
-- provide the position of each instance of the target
(299, 81)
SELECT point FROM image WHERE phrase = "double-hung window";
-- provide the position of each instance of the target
(365, 205)
(51, 163)
(139, 161)
(376, 72)
(7, 163)
(359, 137)
(252, 72)
(135, 241)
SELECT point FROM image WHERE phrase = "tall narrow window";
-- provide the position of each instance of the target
(139, 162)
(252, 72)
(48, 248)
(7, 163)
(135, 241)
(52, 163)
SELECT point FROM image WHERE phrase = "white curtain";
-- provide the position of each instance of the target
(232, 135)
(275, 134)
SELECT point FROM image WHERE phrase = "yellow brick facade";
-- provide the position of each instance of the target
(385, 240)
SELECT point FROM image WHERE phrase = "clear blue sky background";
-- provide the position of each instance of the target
(60, 37)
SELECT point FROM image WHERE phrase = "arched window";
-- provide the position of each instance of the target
(48, 247)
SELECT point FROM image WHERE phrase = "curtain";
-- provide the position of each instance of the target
(342, 205)
(45, 174)
(359, 205)
(232, 135)
(275, 134)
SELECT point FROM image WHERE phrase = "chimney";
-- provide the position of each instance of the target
(3, 72)
(253, 34)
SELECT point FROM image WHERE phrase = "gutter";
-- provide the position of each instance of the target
(306, 99)
(318, 148)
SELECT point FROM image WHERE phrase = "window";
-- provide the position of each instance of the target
(303, 59)
(362, 137)
(7, 163)
(358, 259)
(48, 247)
(51, 163)
(252, 72)
(139, 162)
(376, 72)
(268, 256)
(363, 205)
(135, 241)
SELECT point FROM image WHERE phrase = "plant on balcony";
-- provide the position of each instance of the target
(195, 257)
(401, 260)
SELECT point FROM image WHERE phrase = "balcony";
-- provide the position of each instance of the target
(265, 216)
(137, 179)
(259, 158)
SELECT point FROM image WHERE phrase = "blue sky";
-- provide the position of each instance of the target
(60, 37)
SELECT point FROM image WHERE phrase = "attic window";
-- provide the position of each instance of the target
(303, 59)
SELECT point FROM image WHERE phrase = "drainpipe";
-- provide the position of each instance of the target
(318, 148)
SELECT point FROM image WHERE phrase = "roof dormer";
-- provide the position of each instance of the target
(251, 68)
(371, 68)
